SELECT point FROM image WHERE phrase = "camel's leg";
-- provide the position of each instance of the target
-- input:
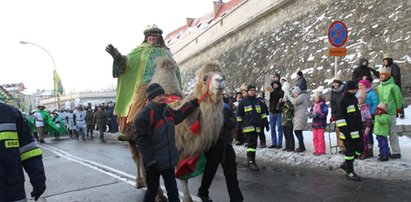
(187, 196)
(140, 180)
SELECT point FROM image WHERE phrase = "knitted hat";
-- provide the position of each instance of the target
(153, 90)
(385, 70)
(351, 85)
(250, 87)
(152, 29)
(296, 90)
(386, 56)
(365, 82)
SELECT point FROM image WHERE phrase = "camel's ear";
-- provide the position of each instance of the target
(213, 66)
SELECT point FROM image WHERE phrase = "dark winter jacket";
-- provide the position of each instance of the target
(225, 137)
(347, 116)
(302, 83)
(18, 149)
(335, 95)
(155, 134)
(319, 119)
(364, 70)
(274, 98)
(251, 114)
(395, 71)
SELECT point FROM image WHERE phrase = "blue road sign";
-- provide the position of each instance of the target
(337, 33)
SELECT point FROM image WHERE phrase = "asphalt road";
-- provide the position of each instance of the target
(93, 171)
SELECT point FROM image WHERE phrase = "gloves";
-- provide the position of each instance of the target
(38, 189)
(194, 102)
(332, 119)
(267, 127)
(152, 167)
(114, 53)
(311, 115)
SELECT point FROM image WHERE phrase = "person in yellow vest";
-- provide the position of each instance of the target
(134, 73)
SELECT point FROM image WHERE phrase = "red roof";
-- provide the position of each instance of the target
(204, 21)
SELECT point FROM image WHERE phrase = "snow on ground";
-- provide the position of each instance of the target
(398, 168)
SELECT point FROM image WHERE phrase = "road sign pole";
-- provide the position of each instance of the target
(336, 67)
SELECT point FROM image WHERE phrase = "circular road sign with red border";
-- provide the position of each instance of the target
(337, 33)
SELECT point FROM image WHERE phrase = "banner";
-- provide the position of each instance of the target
(58, 86)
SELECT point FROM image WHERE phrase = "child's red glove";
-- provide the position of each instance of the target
(332, 119)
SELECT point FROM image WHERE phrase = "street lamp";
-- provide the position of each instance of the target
(55, 67)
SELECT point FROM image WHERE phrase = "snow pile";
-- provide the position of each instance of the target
(371, 167)
(399, 168)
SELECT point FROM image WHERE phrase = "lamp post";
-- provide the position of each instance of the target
(54, 63)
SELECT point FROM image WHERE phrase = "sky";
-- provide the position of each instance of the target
(75, 33)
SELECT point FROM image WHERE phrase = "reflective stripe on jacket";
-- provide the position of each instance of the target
(252, 114)
(17, 150)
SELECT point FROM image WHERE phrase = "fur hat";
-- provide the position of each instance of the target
(362, 95)
(153, 90)
(152, 29)
(365, 82)
(351, 85)
(383, 106)
(296, 90)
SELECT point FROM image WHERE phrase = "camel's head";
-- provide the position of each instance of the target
(165, 63)
(211, 77)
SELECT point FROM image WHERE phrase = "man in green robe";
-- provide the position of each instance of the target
(43, 122)
(134, 73)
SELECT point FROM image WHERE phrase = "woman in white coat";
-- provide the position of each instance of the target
(301, 102)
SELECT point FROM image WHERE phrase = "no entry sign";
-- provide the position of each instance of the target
(337, 33)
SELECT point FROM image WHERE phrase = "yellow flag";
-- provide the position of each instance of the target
(58, 86)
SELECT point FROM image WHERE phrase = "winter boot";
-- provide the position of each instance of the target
(204, 198)
(344, 166)
(252, 165)
(370, 152)
(382, 158)
(102, 139)
(353, 177)
(364, 155)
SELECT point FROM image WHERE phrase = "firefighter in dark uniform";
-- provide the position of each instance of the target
(18, 149)
(251, 119)
(348, 120)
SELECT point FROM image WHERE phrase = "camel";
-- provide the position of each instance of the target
(209, 89)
